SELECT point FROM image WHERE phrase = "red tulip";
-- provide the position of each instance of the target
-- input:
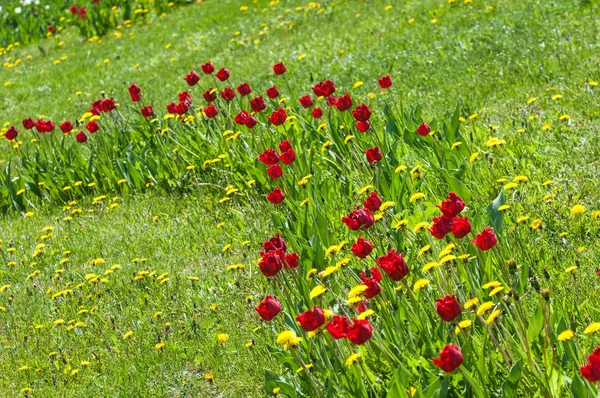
(363, 127)
(279, 69)
(269, 308)
(591, 371)
(290, 261)
(278, 117)
(424, 129)
(453, 206)
(344, 102)
(306, 101)
(275, 171)
(460, 227)
(211, 111)
(92, 127)
(441, 227)
(66, 127)
(372, 283)
(135, 92)
(385, 81)
(285, 146)
(270, 263)
(360, 332)
(373, 154)
(73, 9)
(359, 219)
(276, 196)
(373, 202)
(394, 265)
(185, 97)
(338, 327)
(273, 92)
(448, 308)
(251, 122)
(208, 68)
(244, 89)
(257, 104)
(317, 113)
(28, 123)
(227, 94)
(275, 243)
(288, 156)
(108, 105)
(210, 95)
(362, 248)
(223, 74)
(362, 113)
(11, 133)
(147, 111)
(269, 157)
(486, 239)
(450, 358)
(192, 78)
(312, 319)
(324, 89)
(81, 137)
(242, 118)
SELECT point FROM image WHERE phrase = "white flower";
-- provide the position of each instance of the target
(17, 10)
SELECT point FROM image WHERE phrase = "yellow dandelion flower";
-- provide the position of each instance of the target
(492, 317)
(473, 157)
(456, 145)
(420, 284)
(424, 250)
(401, 224)
(429, 266)
(222, 337)
(496, 291)
(522, 219)
(357, 290)
(592, 328)
(492, 284)
(577, 210)
(416, 196)
(400, 168)
(365, 314)
(127, 335)
(484, 307)
(352, 359)
(421, 226)
(317, 291)
(571, 269)
(510, 185)
(504, 207)
(535, 224)
(285, 337)
(311, 272)
(159, 346)
(386, 205)
(566, 335)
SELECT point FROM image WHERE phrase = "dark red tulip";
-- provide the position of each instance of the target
(275, 243)
(331, 101)
(251, 122)
(448, 308)
(270, 263)
(486, 239)
(11, 133)
(362, 248)
(192, 78)
(257, 104)
(273, 92)
(185, 97)
(275, 171)
(452, 207)
(269, 157)
(317, 113)
(135, 92)
(312, 319)
(276, 196)
(450, 358)
(279, 69)
(290, 261)
(108, 105)
(228, 94)
(92, 127)
(306, 101)
(460, 227)
(242, 118)
(66, 127)
(147, 111)
(441, 227)
(424, 129)
(385, 81)
(338, 327)
(244, 89)
(359, 332)
(324, 89)
(288, 157)
(373, 154)
(591, 371)
(373, 202)
(285, 146)
(278, 117)
(211, 111)
(210, 95)
(223, 74)
(208, 68)
(362, 113)
(73, 9)
(372, 283)
(359, 219)
(81, 137)
(269, 308)
(344, 102)
(28, 123)
(394, 265)
(363, 127)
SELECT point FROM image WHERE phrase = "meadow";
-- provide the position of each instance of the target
(378, 199)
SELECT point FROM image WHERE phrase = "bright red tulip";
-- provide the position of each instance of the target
(450, 358)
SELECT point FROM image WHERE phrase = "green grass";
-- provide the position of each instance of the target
(486, 58)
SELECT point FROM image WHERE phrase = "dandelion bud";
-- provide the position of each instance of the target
(535, 283)
(545, 294)
(546, 274)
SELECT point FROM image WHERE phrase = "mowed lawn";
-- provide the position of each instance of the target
(173, 287)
